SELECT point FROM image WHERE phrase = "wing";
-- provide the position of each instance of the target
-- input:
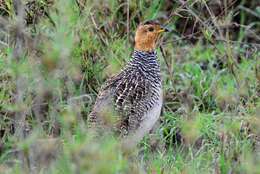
(124, 99)
(130, 98)
(103, 107)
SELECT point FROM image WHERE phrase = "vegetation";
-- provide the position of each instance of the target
(55, 55)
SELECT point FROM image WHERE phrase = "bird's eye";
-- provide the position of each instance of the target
(151, 29)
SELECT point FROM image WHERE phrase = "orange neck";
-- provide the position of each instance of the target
(145, 46)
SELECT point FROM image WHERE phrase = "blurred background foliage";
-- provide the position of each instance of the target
(54, 56)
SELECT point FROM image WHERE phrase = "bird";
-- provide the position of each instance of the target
(130, 102)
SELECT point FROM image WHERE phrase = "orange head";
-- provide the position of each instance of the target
(147, 35)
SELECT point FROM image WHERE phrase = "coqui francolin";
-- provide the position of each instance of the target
(130, 102)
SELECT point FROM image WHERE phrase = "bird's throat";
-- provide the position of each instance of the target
(145, 46)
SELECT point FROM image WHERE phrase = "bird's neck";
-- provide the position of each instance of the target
(147, 46)
(144, 56)
(145, 61)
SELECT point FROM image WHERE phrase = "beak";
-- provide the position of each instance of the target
(164, 29)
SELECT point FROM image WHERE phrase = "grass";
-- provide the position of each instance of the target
(210, 120)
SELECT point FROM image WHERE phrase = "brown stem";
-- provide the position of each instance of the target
(19, 44)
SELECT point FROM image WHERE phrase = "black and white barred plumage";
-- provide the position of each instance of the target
(133, 94)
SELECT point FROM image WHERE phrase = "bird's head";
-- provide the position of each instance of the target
(147, 34)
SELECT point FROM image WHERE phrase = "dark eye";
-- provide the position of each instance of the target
(150, 29)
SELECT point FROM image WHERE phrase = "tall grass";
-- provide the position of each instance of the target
(56, 54)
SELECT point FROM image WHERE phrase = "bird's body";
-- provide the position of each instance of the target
(133, 98)
(132, 93)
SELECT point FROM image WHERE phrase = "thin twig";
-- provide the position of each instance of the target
(80, 98)
(169, 69)
(20, 115)
(17, 54)
(213, 17)
(249, 11)
(128, 21)
(97, 28)
(3, 43)
(176, 11)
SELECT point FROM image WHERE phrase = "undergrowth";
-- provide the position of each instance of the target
(55, 57)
